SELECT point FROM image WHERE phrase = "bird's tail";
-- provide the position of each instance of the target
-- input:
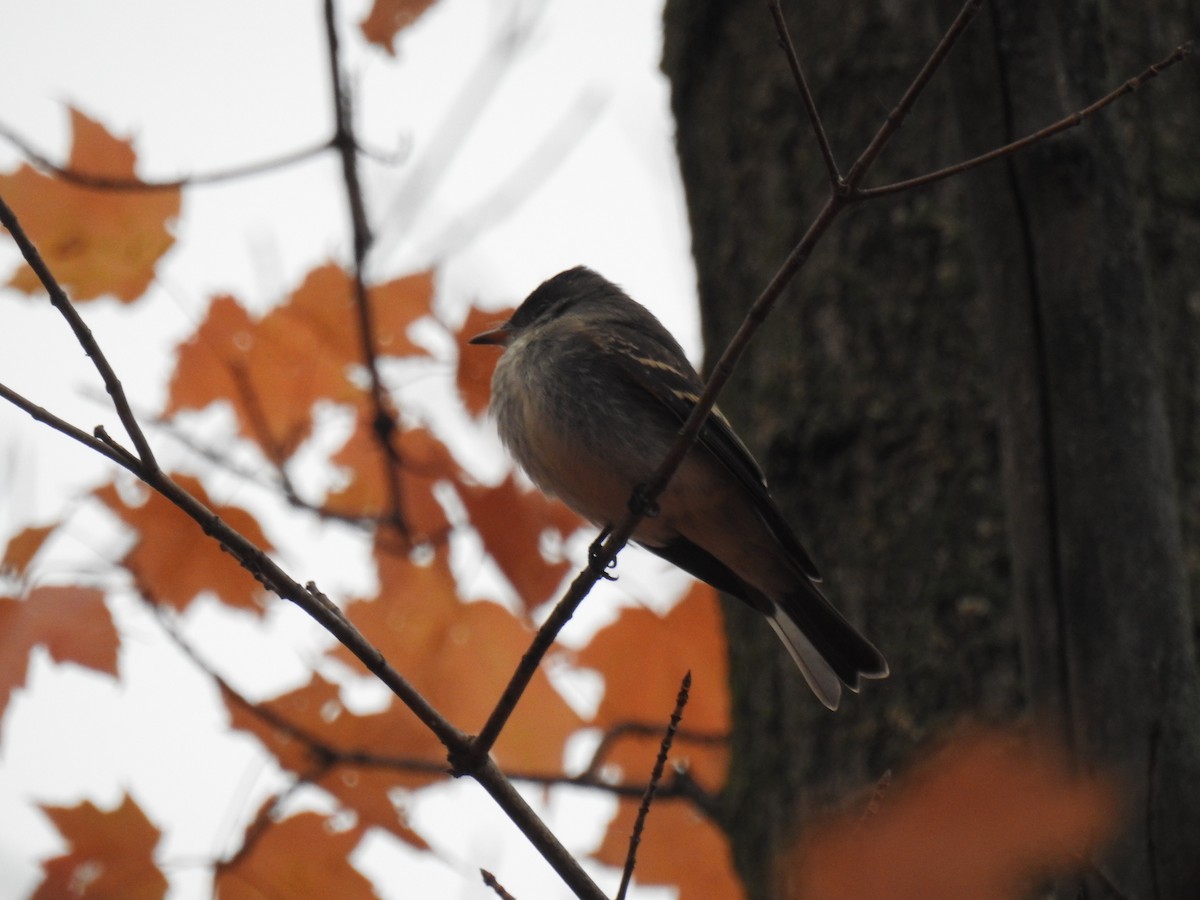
(829, 650)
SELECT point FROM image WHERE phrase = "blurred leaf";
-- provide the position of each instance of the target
(314, 713)
(73, 623)
(270, 371)
(424, 461)
(275, 369)
(679, 847)
(173, 560)
(388, 18)
(461, 655)
(643, 657)
(97, 242)
(983, 818)
(477, 363)
(302, 856)
(112, 855)
(23, 548)
(511, 522)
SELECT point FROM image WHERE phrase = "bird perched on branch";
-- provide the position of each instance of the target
(589, 396)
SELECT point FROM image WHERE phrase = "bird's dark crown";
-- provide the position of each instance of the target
(556, 295)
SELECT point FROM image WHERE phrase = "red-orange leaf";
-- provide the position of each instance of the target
(272, 372)
(643, 657)
(511, 522)
(476, 364)
(97, 242)
(275, 369)
(302, 856)
(424, 461)
(978, 819)
(325, 305)
(73, 624)
(112, 855)
(173, 560)
(679, 847)
(316, 722)
(23, 548)
(460, 656)
(388, 18)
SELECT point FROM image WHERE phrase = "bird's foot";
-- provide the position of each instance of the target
(594, 556)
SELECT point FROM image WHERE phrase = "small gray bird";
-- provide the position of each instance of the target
(589, 396)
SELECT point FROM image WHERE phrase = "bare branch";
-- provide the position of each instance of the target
(383, 419)
(810, 105)
(40, 414)
(897, 116)
(83, 334)
(109, 183)
(1076, 118)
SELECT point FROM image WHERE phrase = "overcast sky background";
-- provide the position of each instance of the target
(465, 112)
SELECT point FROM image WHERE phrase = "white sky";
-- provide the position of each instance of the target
(202, 87)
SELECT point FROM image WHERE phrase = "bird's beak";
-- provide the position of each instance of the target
(499, 336)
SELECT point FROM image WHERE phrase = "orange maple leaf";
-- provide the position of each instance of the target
(460, 656)
(73, 623)
(270, 372)
(981, 818)
(424, 461)
(643, 657)
(273, 370)
(302, 728)
(302, 856)
(511, 522)
(112, 854)
(388, 18)
(324, 304)
(476, 364)
(173, 560)
(23, 547)
(97, 242)
(679, 847)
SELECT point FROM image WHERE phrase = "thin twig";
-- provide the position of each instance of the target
(639, 825)
(490, 880)
(810, 105)
(83, 334)
(643, 729)
(46, 417)
(109, 183)
(1074, 119)
(897, 116)
(383, 419)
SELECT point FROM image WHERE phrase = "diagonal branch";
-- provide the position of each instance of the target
(83, 334)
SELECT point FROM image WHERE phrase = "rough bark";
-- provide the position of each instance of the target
(963, 405)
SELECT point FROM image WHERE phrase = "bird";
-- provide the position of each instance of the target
(588, 396)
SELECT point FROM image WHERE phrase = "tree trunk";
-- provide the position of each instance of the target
(962, 405)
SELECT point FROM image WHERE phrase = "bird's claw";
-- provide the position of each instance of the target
(594, 557)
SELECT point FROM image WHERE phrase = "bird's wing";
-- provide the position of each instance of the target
(676, 386)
